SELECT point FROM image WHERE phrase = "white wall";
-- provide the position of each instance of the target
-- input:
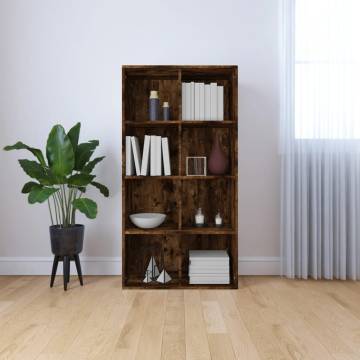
(60, 62)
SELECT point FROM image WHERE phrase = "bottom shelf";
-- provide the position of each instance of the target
(175, 283)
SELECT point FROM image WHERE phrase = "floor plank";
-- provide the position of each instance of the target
(266, 318)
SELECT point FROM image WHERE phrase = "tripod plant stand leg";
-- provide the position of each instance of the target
(54, 268)
(78, 268)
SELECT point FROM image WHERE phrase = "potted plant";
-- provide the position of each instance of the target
(61, 179)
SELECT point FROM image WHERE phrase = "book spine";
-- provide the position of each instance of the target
(166, 156)
(220, 103)
(136, 152)
(187, 101)
(207, 105)
(197, 101)
(202, 101)
(183, 101)
(192, 101)
(129, 169)
(213, 101)
(158, 156)
(145, 157)
(153, 155)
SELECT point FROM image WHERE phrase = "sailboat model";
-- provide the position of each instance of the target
(164, 277)
(152, 271)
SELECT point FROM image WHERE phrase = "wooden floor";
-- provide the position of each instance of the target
(266, 318)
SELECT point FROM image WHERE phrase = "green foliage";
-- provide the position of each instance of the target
(59, 152)
(73, 135)
(63, 178)
(89, 167)
(103, 189)
(86, 206)
(84, 152)
(29, 186)
(21, 146)
(80, 179)
(40, 194)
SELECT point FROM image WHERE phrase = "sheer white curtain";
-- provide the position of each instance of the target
(320, 138)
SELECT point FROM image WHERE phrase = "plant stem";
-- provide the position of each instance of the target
(56, 215)
(61, 205)
(52, 221)
(57, 207)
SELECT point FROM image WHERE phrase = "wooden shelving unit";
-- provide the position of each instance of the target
(178, 195)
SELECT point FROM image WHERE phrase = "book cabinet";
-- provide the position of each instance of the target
(178, 195)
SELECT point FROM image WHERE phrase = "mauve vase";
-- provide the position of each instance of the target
(218, 162)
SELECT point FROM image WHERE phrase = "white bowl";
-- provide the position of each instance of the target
(147, 220)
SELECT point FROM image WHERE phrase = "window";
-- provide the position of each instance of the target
(327, 69)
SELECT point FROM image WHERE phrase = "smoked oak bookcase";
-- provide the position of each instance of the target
(178, 195)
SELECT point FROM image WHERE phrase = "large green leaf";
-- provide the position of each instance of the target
(36, 171)
(103, 189)
(29, 186)
(84, 152)
(89, 167)
(80, 179)
(86, 206)
(59, 152)
(39, 195)
(33, 169)
(73, 135)
(21, 146)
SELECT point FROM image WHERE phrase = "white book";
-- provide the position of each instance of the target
(209, 254)
(202, 101)
(145, 157)
(129, 169)
(166, 156)
(192, 101)
(183, 101)
(136, 152)
(207, 104)
(197, 101)
(155, 156)
(213, 101)
(220, 103)
(187, 101)
(158, 156)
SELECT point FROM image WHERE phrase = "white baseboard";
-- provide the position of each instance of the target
(112, 266)
(259, 265)
(43, 265)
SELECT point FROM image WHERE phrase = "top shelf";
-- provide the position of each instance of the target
(187, 123)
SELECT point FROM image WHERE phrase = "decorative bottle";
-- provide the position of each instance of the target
(166, 111)
(199, 218)
(218, 219)
(154, 105)
(218, 162)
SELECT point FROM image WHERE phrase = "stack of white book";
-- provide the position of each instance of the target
(202, 101)
(155, 159)
(209, 267)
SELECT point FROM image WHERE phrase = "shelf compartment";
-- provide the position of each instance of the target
(199, 142)
(206, 242)
(138, 91)
(210, 197)
(173, 139)
(152, 196)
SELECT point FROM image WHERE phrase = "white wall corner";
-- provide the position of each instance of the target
(112, 266)
(259, 265)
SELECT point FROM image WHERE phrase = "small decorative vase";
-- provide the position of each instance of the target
(166, 111)
(154, 105)
(218, 162)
